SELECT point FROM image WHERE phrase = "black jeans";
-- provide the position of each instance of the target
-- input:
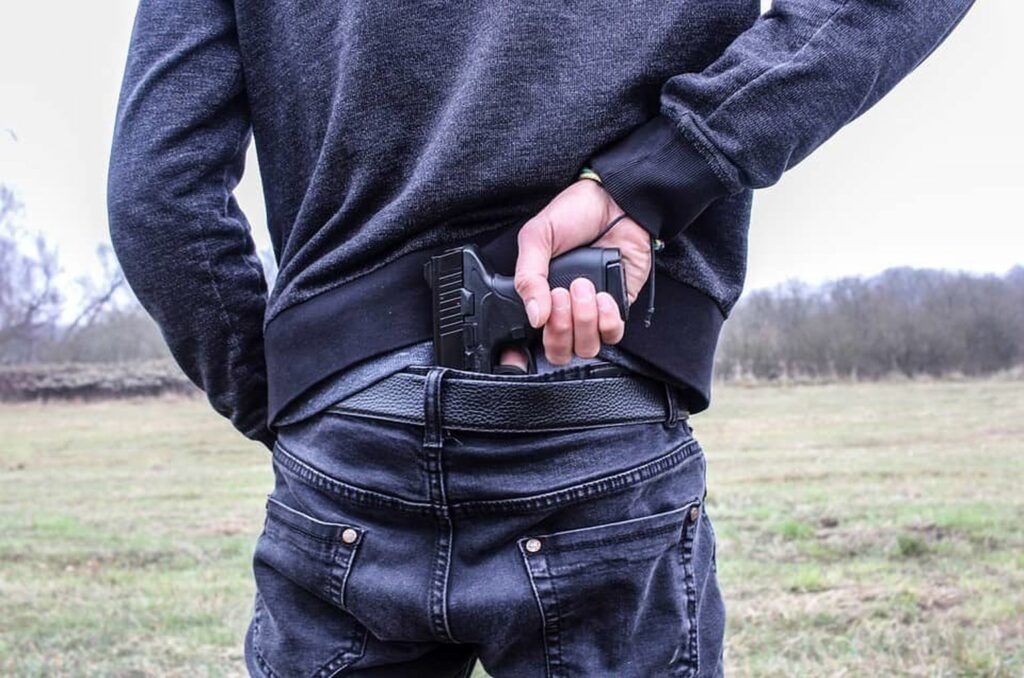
(400, 550)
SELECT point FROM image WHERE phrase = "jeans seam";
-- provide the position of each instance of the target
(550, 627)
(349, 564)
(689, 536)
(433, 447)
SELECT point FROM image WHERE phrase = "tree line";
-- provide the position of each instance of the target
(903, 321)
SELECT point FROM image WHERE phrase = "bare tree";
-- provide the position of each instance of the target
(30, 302)
(111, 325)
(99, 295)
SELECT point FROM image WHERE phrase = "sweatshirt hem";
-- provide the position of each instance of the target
(390, 308)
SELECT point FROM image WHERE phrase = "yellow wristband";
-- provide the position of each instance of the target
(587, 173)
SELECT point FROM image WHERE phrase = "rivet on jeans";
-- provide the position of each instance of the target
(533, 545)
(349, 536)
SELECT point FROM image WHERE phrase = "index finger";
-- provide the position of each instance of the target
(535, 251)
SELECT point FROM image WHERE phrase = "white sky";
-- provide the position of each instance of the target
(931, 177)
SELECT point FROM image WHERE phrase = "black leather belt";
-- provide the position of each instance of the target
(587, 397)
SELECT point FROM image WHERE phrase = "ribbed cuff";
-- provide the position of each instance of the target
(658, 178)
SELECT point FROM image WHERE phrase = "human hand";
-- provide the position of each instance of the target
(576, 320)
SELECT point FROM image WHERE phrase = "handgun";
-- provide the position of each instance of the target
(478, 312)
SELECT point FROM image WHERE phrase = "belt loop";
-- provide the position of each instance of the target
(672, 415)
(433, 419)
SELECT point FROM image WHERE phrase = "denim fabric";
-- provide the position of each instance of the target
(385, 128)
(398, 550)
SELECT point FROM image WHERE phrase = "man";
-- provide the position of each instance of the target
(549, 523)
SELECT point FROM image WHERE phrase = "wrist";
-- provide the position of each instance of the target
(614, 212)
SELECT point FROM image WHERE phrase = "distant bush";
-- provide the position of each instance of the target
(907, 322)
(89, 381)
(910, 546)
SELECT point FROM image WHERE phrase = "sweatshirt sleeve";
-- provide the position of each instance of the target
(178, 152)
(803, 70)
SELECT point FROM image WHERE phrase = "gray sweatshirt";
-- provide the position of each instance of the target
(387, 130)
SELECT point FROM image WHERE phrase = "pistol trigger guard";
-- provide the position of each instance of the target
(531, 366)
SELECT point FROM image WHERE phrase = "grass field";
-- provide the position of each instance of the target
(873, 529)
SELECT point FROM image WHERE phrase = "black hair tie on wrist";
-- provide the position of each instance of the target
(609, 227)
(649, 312)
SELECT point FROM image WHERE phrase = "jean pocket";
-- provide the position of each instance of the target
(620, 598)
(301, 566)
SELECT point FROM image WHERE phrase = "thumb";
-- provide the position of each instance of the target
(531, 281)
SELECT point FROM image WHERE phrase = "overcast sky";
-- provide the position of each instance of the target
(932, 176)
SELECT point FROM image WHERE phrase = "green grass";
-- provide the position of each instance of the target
(872, 529)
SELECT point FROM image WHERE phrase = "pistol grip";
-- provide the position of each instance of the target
(600, 265)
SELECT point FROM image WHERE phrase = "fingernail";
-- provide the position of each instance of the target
(582, 293)
(533, 312)
(605, 303)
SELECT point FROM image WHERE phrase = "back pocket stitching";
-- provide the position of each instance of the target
(354, 649)
(332, 667)
(622, 539)
(551, 623)
(541, 576)
(689, 578)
